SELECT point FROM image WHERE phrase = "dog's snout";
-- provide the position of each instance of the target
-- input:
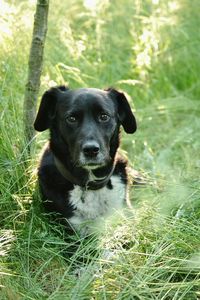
(91, 149)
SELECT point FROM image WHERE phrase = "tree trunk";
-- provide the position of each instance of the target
(35, 67)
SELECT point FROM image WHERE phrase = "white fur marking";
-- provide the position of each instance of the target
(93, 204)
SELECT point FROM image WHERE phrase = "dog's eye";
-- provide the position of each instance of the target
(104, 117)
(71, 119)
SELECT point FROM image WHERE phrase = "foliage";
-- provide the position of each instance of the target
(150, 50)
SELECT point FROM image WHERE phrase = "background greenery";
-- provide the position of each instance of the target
(149, 49)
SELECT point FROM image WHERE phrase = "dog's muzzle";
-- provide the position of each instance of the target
(91, 155)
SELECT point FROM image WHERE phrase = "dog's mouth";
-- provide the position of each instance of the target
(92, 163)
(92, 166)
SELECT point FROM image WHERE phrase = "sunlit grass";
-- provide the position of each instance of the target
(150, 50)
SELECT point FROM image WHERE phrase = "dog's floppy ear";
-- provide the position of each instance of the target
(47, 108)
(126, 117)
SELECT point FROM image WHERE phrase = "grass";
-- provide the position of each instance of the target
(151, 51)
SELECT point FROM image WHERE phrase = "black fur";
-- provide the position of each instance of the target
(84, 136)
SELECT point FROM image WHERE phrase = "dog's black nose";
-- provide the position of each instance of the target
(91, 149)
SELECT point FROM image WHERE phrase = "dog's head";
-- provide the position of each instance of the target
(85, 122)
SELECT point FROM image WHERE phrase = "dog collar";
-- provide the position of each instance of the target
(90, 185)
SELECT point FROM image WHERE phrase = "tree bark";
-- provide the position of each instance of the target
(35, 67)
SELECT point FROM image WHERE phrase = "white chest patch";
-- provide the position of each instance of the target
(91, 205)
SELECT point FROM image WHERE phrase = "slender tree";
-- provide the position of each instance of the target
(35, 66)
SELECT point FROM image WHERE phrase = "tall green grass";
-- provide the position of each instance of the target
(151, 51)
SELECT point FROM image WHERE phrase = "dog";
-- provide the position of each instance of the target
(81, 176)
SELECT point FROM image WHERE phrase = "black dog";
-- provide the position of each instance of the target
(81, 176)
